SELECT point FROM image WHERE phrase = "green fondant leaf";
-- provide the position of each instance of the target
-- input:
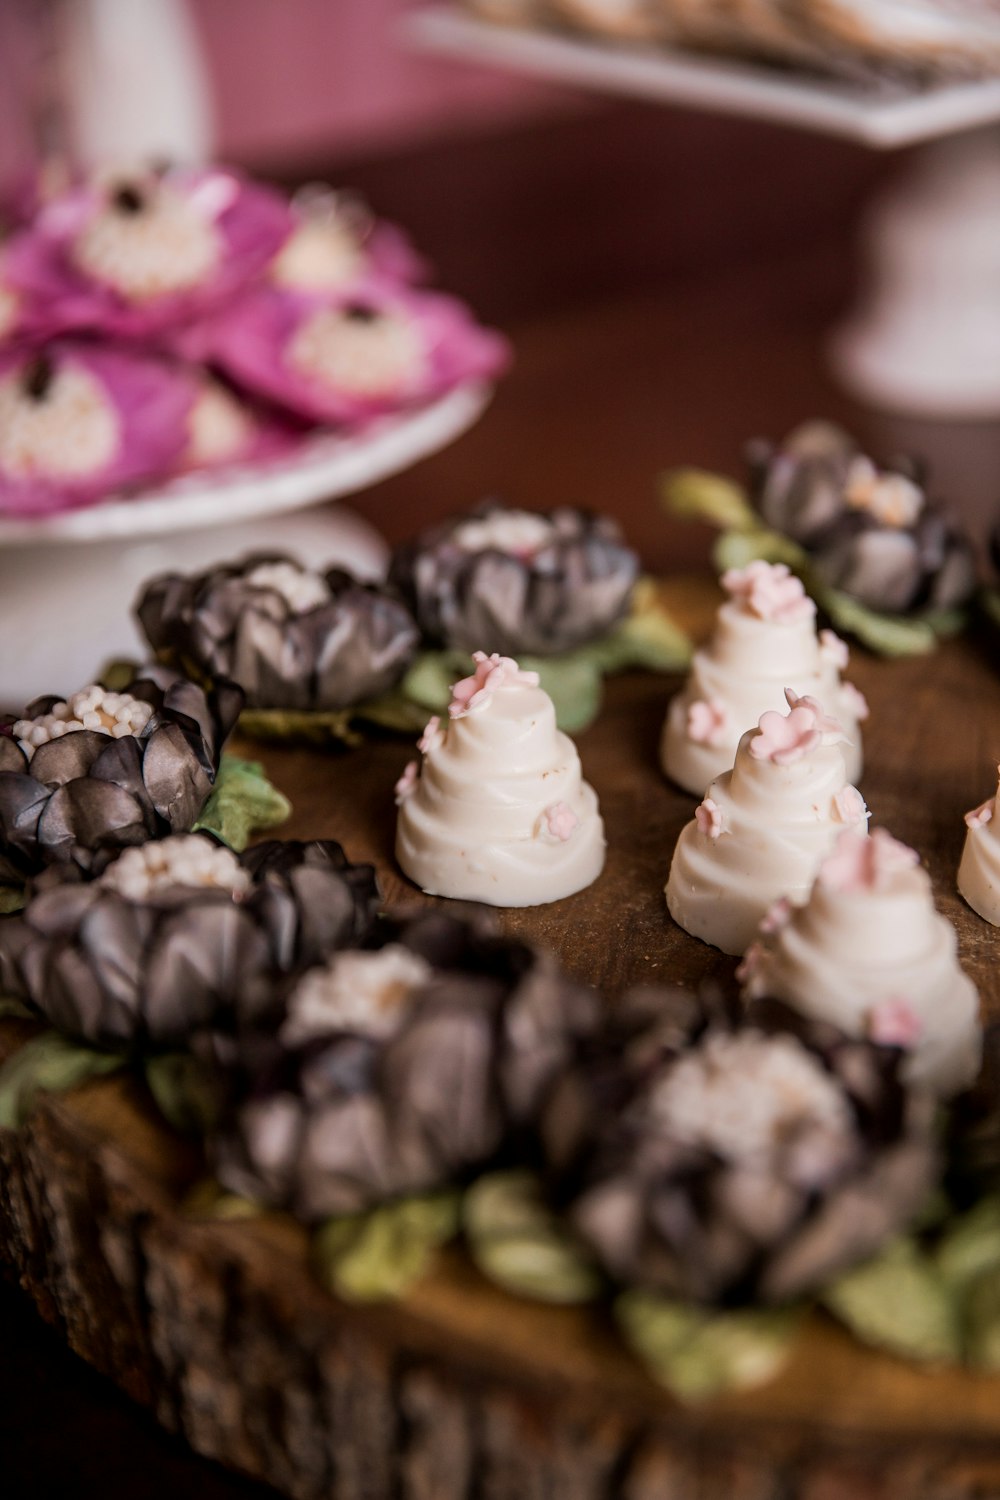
(376, 1256)
(575, 684)
(50, 1063)
(989, 603)
(519, 1243)
(970, 1245)
(393, 711)
(182, 1090)
(315, 727)
(888, 635)
(898, 1301)
(429, 679)
(982, 1320)
(242, 800)
(734, 549)
(15, 1010)
(208, 1199)
(697, 495)
(697, 1353)
(117, 674)
(12, 898)
(648, 637)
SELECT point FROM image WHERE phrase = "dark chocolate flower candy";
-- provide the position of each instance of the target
(400, 1069)
(179, 934)
(84, 777)
(896, 569)
(798, 485)
(291, 637)
(517, 582)
(719, 1161)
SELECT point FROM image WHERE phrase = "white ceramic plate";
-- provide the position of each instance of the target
(324, 467)
(885, 117)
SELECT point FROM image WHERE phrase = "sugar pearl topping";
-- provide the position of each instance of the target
(361, 351)
(517, 532)
(364, 993)
(148, 241)
(301, 589)
(747, 1096)
(163, 864)
(114, 714)
(55, 422)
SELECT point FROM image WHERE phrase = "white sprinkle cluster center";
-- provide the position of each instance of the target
(300, 589)
(185, 860)
(114, 714)
(360, 992)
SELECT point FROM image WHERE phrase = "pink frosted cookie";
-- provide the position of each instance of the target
(79, 422)
(346, 360)
(138, 254)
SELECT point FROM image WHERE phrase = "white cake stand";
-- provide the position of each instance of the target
(924, 339)
(68, 583)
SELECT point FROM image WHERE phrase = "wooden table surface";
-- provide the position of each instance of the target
(667, 283)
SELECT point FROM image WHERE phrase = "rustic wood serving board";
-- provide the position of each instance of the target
(462, 1391)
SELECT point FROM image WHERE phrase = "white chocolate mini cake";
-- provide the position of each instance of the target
(869, 953)
(764, 827)
(764, 641)
(979, 871)
(498, 811)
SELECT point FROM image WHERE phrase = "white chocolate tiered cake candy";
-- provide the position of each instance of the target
(869, 953)
(979, 871)
(764, 827)
(498, 810)
(764, 641)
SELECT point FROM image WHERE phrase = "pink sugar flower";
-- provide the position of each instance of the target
(750, 962)
(430, 736)
(833, 650)
(786, 738)
(777, 916)
(862, 863)
(853, 701)
(561, 821)
(771, 591)
(708, 816)
(492, 672)
(893, 1023)
(407, 782)
(849, 806)
(829, 727)
(981, 815)
(707, 722)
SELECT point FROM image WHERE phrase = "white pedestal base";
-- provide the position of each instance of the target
(66, 607)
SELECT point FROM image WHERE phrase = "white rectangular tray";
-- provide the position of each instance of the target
(882, 116)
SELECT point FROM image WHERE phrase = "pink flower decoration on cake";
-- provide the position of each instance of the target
(145, 253)
(345, 360)
(492, 672)
(829, 727)
(833, 650)
(407, 782)
(981, 815)
(849, 806)
(708, 816)
(80, 422)
(561, 821)
(749, 962)
(786, 738)
(865, 863)
(430, 736)
(771, 591)
(707, 722)
(853, 701)
(777, 916)
(893, 1023)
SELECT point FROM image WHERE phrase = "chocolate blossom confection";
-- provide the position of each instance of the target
(83, 777)
(400, 1068)
(515, 581)
(292, 637)
(181, 933)
(723, 1160)
(871, 532)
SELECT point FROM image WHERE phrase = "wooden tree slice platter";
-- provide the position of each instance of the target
(461, 1391)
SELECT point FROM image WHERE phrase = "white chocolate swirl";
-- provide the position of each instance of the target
(745, 669)
(489, 820)
(778, 822)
